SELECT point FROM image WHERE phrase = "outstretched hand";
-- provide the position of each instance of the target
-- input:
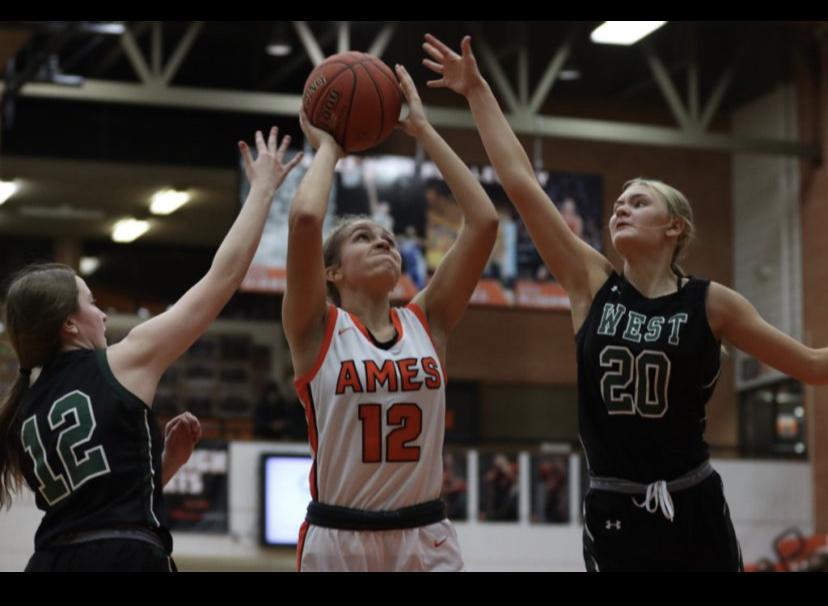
(268, 169)
(416, 122)
(459, 72)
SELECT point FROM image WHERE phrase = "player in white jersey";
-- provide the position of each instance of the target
(372, 377)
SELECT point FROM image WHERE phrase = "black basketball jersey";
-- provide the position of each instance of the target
(92, 449)
(646, 369)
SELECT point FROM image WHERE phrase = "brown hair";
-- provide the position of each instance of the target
(38, 301)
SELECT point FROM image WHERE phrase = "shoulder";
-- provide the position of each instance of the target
(724, 304)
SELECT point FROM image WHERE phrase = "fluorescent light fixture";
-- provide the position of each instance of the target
(167, 201)
(7, 190)
(279, 45)
(623, 32)
(89, 265)
(113, 28)
(569, 74)
(278, 50)
(127, 230)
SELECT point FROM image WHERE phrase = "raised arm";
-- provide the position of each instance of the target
(734, 319)
(304, 306)
(139, 360)
(580, 268)
(448, 293)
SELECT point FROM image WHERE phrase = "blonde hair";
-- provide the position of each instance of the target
(679, 208)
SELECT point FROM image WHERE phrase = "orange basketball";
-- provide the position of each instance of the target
(355, 97)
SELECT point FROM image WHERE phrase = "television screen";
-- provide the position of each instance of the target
(285, 490)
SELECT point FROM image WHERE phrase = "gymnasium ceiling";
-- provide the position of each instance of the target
(90, 158)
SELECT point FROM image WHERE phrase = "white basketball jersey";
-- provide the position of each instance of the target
(376, 418)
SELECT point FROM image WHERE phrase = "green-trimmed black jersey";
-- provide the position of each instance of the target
(646, 369)
(92, 449)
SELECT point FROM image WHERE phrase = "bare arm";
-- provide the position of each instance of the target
(445, 298)
(733, 318)
(304, 306)
(580, 269)
(139, 360)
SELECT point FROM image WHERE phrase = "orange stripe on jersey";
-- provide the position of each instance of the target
(300, 547)
(326, 343)
(395, 320)
(421, 317)
(306, 398)
(310, 416)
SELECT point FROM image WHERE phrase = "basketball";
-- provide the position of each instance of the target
(355, 97)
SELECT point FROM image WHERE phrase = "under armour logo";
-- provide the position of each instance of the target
(614, 289)
(616, 525)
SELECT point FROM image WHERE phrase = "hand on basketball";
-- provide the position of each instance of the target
(416, 122)
(181, 435)
(460, 72)
(316, 136)
(268, 169)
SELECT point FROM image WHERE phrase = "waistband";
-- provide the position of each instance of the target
(657, 494)
(343, 518)
(85, 536)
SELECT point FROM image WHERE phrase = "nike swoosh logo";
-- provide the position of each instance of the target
(439, 543)
(341, 330)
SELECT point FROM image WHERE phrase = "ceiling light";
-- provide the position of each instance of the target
(127, 230)
(88, 265)
(279, 45)
(7, 190)
(623, 32)
(167, 201)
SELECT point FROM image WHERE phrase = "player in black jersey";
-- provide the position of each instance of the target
(648, 344)
(83, 436)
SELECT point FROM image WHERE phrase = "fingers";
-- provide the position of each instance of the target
(171, 428)
(296, 160)
(407, 84)
(435, 54)
(271, 140)
(246, 157)
(465, 46)
(438, 45)
(441, 83)
(435, 67)
(260, 142)
(303, 120)
(195, 431)
(283, 148)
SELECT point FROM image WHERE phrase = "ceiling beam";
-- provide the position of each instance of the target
(524, 123)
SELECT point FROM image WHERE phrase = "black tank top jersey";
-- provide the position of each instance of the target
(646, 369)
(92, 449)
